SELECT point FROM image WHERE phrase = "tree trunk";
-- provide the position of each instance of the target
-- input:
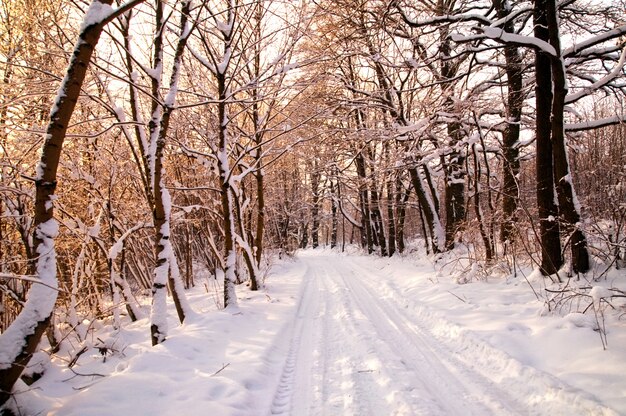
(568, 202)
(551, 259)
(478, 210)
(366, 222)
(391, 217)
(454, 190)
(428, 208)
(376, 215)
(333, 211)
(315, 208)
(402, 197)
(166, 269)
(510, 142)
(224, 169)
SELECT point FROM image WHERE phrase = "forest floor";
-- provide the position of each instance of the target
(347, 334)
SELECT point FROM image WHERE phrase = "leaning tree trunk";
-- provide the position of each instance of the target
(568, 203)
(20, 340)
(551, 258)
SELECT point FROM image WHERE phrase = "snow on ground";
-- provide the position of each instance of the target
(339, 334)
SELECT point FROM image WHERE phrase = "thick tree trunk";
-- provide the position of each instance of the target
(551, 258)
(478, 209)
(568, 203)
(428, 208)
(454, 190)
(510, 142)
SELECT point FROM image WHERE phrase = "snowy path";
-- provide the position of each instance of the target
(354, 351)
(345, 335)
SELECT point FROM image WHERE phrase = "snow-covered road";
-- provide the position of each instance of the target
(340, 334)
(353, 350)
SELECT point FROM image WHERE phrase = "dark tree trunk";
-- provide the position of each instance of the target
(454, 185)
(304, 241)
(570, 212)
(551, 259)
(402, 197)
(364, 199)
(333, 211)
(427, 204)
(378, 229)
(315, 208)
(510, 142)
(258, 138)
(377, 221)
(477, 208)
(391, 217)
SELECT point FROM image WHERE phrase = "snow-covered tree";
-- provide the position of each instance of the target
(20, 340)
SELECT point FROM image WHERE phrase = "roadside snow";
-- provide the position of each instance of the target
(340, 334)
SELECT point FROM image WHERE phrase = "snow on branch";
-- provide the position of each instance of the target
(596, 124)
(599, 83)
(448, 18)
(603, 37)
(31, 279)
(501, 36)
(100, 13)
(97, 13)
(119, 244)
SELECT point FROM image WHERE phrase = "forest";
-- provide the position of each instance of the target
(144, 140)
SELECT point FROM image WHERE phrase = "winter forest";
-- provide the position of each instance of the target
(162, 162)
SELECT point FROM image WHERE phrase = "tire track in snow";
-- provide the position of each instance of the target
(353, 351)
(293, 377)
(510, 386)
(449, 386)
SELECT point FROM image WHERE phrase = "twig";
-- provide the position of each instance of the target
(76, 374)
(220, 370)
(456, 296)
(77, 356)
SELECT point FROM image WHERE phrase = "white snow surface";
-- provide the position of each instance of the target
(349, 334)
